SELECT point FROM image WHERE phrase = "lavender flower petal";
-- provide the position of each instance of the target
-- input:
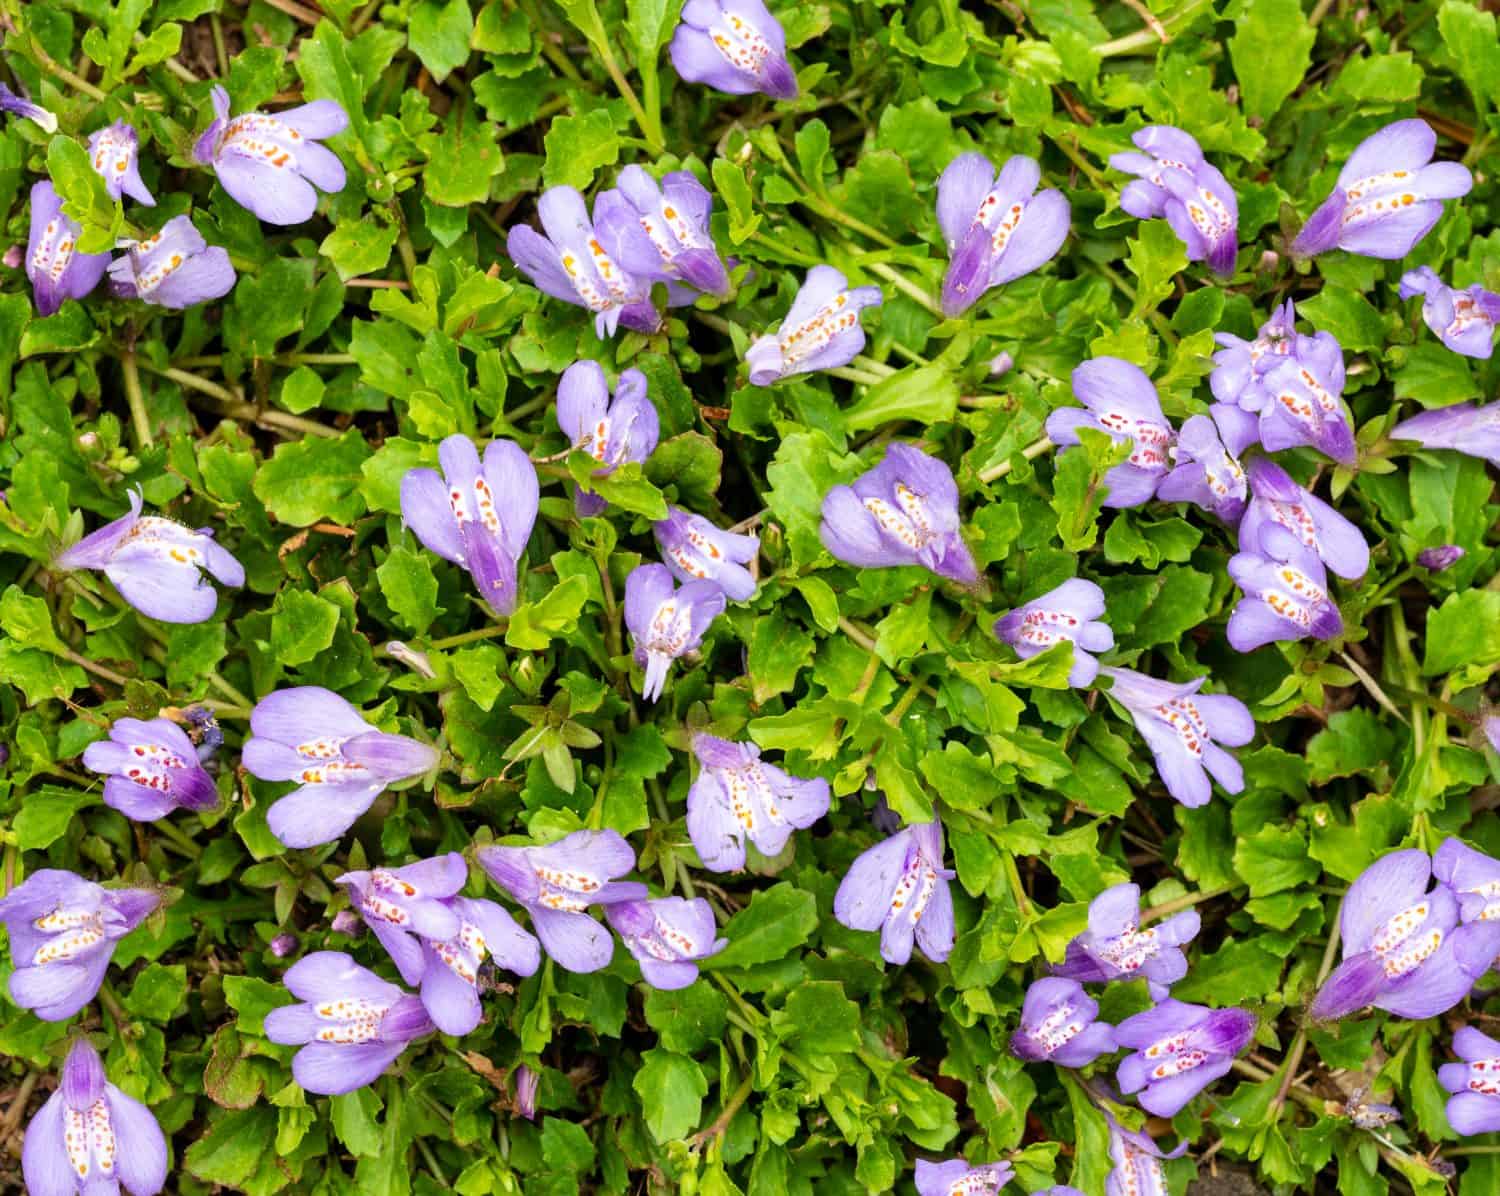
(1071, 612)
(53, 264)
(734, 46)
(821, 331)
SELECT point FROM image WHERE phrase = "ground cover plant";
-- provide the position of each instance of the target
(632, 596)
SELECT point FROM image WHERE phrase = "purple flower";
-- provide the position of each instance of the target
(1206, 473)
(996, 229)
(1302, 401)
(666, 622)
(659, 231)
(92, 1139)
(1180, 1050)
(1114, 947)
(527, 1083)
(1183, 728)
(734, 46)
(1444, 556)
(283, 945)
(1404, 951)
(821, 331)
(571, 264)
(557, 883)
(56, 269)
(477, 516)
(1277, 501)
(1120, 401)
(1462, 427)
(11, 102)
(157, 564)
(667, 935)
(738, 795)
(610, 432)
(1464, 320)
(695, 550)
(1475, 1083)
(1137, 1163)
(1474, 878)
(904, 511)
(1286, 594)
(269, 163)
(1059, 1025)
(900, 888)
(341, 763)
(1176, 182)
(1388, 196)
(176, 268)
(1239, 365)
(354, 1024)
(63, 930)
(153, 769)
(1071, 613)
(114, 150)
(439, 939)
(956, 1178)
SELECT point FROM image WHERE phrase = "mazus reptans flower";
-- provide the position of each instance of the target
(734, 46)
(667, 936)
(1277, 501)
(739, 796)
(904, 511)
(340, 762)
(1463, 427)
(666, 622)
(11, 102)
(270, 162)
(53, 264)
(174, 268)
(152, 768)
(115, 153)
(63, 931)
(1175, 181)
(1205, 471)
(1404, 950)
(695, 550)
(1059, 1024)
(1474, 1107)
(900, 888)
(1116, 947)
(1180, 1050)
(612, 431)
(956, 1177)
(90, 1139)
(558, 882)
(1286, 594)
(1389, 195)
(820, 331)
(479, 515)
(1072, 613)
(1184, 728)
(570, 263)
(996, 228)
(157, 564)
(1119, 400)
(659, 231)
(1464, 320)
(350, 1023)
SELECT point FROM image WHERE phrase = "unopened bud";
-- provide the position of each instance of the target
(1000, 364)
(283, 945)
(526, 1086)
(346, 921)
(1440, 558)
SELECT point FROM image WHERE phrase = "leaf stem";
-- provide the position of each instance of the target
(468, 637)
(1030, 453)
(139, 419)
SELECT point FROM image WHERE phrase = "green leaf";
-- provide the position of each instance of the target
(671, 1089)
(439, 35)
(313, 479)
(1271, 49)
(359, 247)
(1464, 630)
(353, 1117)
(1470, 35)
(46, 815)
(577, 146)
(302, 625)
(407, 581)
(739, 201)
(534, 625)
(462, 158)
(28, 621)
(1349, 316)
(776, 921)
(84, 196)
(1386, 78)
(926, 396)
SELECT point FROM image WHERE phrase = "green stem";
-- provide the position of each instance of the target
(1030, 453)
(228, 690)
(1182, 903)
(468, 637)
(1147, 38)
(172, 832)
(139, 420)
